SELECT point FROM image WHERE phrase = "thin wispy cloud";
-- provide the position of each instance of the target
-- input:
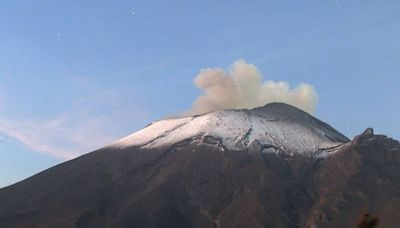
(150, 67)
(57, 137)
(94, 119)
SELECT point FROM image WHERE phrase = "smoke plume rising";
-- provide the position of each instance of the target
(242, 86)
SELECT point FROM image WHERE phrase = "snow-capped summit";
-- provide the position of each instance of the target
(275, 127)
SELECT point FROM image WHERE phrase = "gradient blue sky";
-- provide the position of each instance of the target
(76, 75)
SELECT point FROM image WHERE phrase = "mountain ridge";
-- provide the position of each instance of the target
(205, 184)
(272, 125)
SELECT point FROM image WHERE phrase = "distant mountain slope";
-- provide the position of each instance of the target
(200, 181)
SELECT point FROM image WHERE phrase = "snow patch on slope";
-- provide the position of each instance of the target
(238, 130)
(152, 132)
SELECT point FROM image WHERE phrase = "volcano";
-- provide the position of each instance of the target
(272, 166)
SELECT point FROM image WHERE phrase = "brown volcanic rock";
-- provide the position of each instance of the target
(363, 175)
(182, 187)
(207, 185)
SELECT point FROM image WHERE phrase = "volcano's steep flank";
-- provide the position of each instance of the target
(273, 166)
(363, 175)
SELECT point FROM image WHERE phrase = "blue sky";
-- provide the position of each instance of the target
(76, 75)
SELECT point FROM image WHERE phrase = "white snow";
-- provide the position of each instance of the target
(238, 129)
(155, 130)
